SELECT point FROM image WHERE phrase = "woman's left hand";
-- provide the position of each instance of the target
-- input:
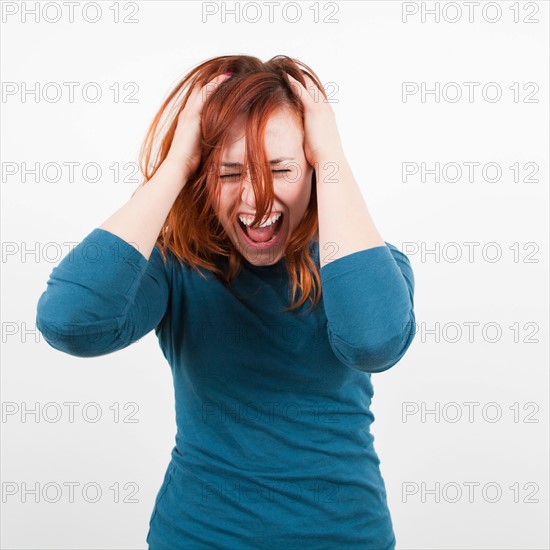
(322, 139)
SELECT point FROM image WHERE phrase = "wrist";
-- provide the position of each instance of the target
(328, 160)
(177, 168)
(334, 154)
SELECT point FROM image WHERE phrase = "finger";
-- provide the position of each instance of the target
(310, 82)
(295, 86)
(208, 89)
(200, 94)
(313, 89)
(302, 92)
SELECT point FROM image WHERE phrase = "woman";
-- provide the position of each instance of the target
(218, 252)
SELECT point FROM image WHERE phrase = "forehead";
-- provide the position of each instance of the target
(283, 137)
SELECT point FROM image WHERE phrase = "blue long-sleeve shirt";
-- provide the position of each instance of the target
(273, 444)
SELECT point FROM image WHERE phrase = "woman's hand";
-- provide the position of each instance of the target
(185, 146)
(322, 139)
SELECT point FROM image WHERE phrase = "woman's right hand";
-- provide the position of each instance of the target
(185, 147)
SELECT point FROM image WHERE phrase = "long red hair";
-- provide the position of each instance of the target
(192, 231)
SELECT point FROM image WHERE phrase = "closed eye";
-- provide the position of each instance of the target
(236, 175)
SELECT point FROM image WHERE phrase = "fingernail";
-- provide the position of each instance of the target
(228, 73)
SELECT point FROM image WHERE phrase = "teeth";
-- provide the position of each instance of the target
(249, 219)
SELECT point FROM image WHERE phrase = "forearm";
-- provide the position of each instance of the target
(345, 224)
(367, 298)
(140, 220)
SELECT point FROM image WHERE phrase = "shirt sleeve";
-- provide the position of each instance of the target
(103, 296)
(369, 304)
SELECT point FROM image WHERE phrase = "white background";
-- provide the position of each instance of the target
(368, 51)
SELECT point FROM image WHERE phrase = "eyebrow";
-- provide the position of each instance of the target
(239, 165)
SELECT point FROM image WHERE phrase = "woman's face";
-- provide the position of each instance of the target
(284, 149)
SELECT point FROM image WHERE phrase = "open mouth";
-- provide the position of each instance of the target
(262, 237)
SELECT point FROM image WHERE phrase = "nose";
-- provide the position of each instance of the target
(247, 195)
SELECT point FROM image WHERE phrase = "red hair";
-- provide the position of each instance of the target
(192, 231)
